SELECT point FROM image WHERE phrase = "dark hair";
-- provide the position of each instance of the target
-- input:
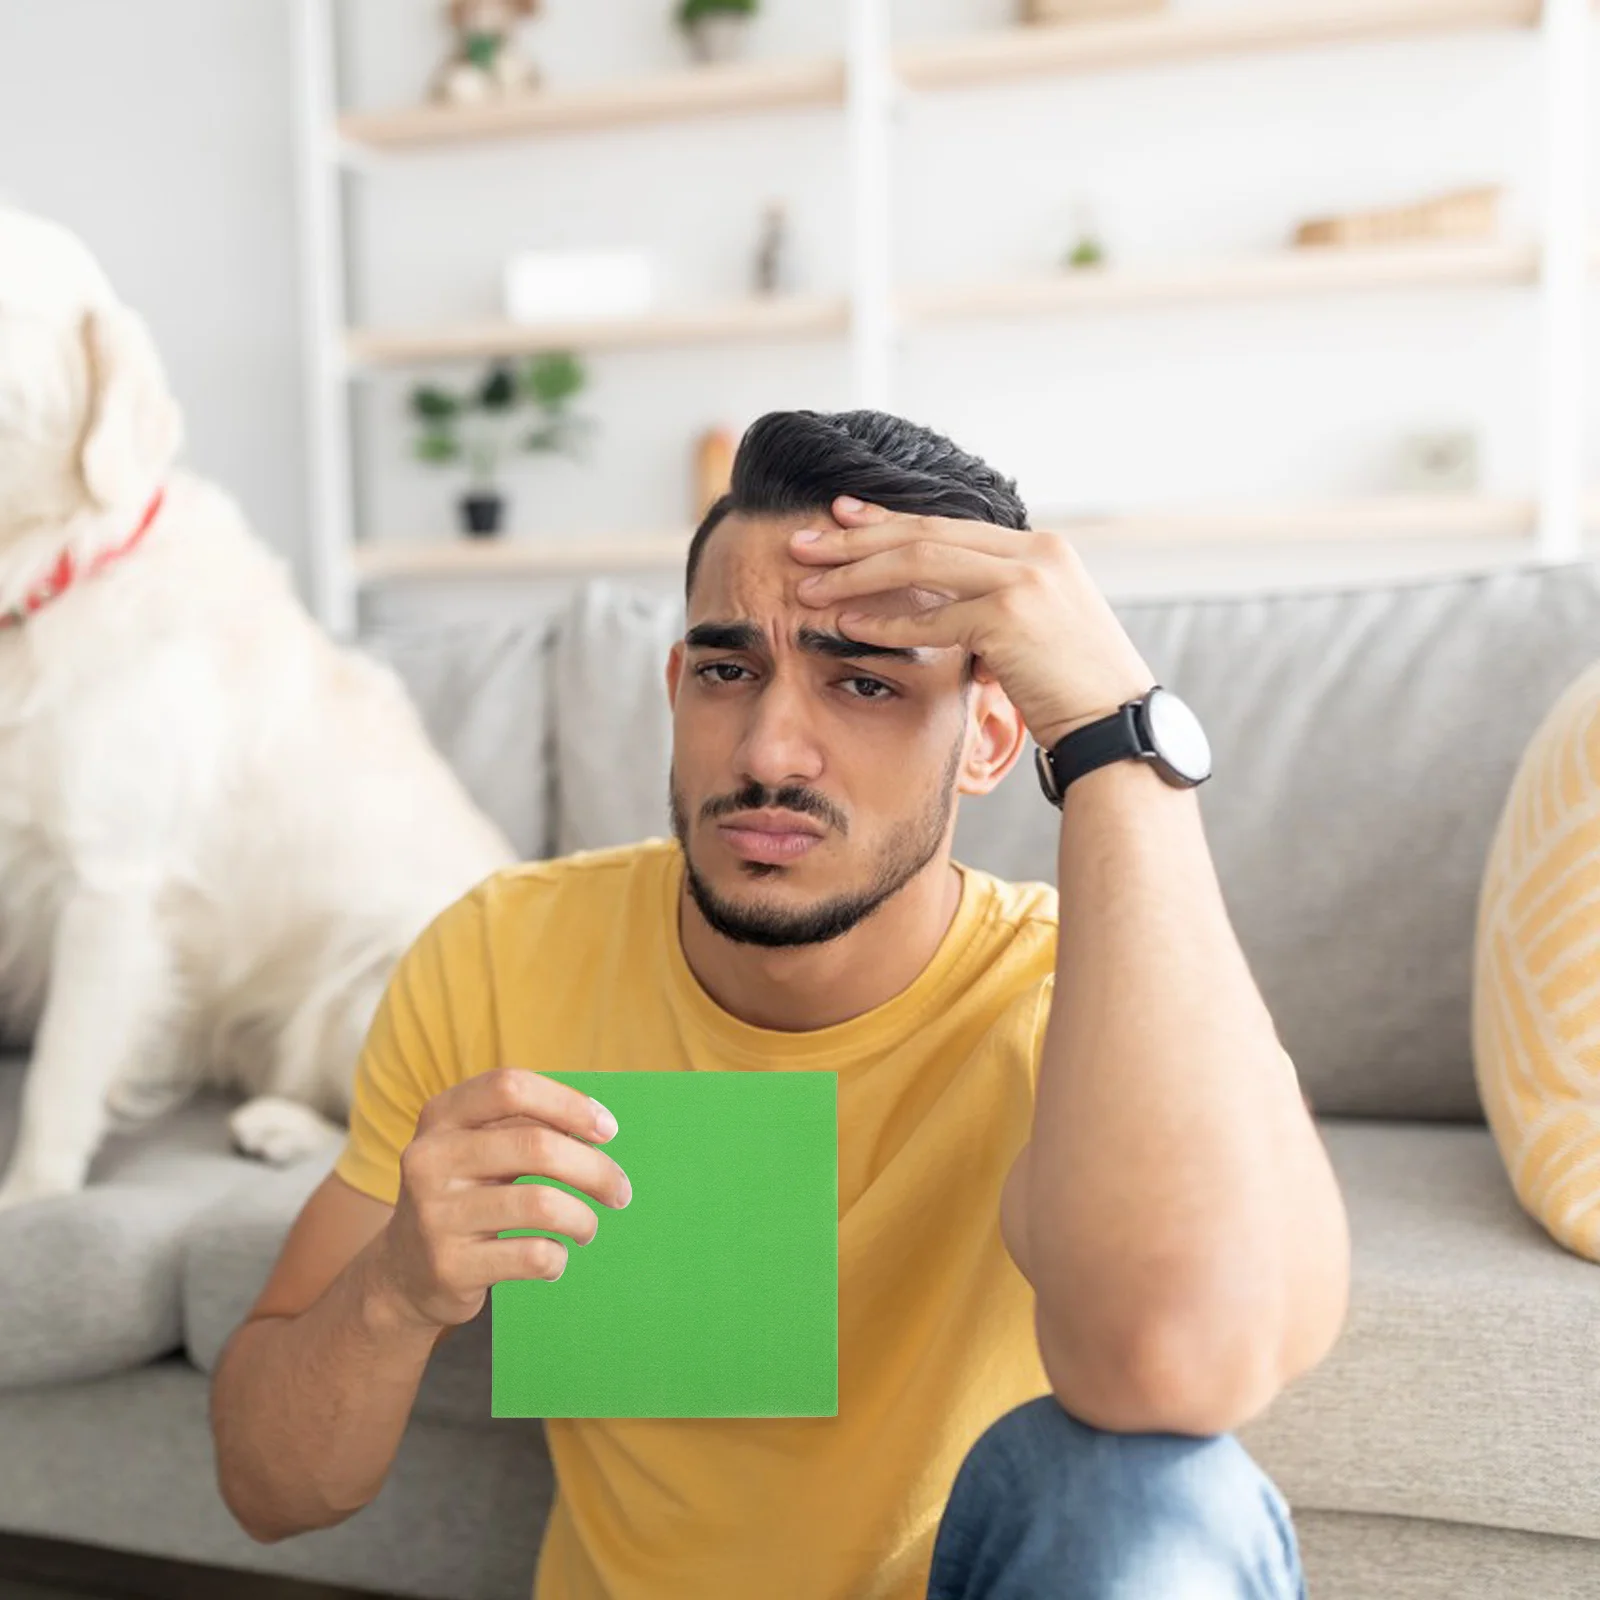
(802, 460)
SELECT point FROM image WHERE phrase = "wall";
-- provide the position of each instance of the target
(161, 133)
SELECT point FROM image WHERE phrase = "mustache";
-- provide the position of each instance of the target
(758, 797)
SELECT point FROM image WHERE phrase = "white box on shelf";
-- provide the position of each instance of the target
(551, 285)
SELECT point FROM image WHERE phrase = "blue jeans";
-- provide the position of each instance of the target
(1044, 1507)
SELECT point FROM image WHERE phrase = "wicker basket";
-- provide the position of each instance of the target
(1466, 214)
(1055, 11)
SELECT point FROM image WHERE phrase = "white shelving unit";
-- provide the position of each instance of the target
(788, 317)
(867, 84)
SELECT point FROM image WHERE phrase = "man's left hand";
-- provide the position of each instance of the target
(1020, 601)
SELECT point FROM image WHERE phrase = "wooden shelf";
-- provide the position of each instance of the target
(1382, 517)
(1285, 272)
(781, 317)
(489, 558)
(715, 90)
(1391, 517)
(999, 56)
(1183, 35)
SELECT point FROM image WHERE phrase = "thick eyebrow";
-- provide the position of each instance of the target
(725, 636)
(819, 643)
(816, 641)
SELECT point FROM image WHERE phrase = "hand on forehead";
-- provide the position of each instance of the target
(748, 573)
(749, 559)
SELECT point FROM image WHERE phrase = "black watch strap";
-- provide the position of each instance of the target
(1112, 738)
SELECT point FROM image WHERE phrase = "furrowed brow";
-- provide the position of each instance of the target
(725, 636)
(816, 641)
(746, 636)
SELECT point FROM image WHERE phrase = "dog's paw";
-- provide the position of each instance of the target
(278, 1130)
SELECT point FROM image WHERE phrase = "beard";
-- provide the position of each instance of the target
(911, 846)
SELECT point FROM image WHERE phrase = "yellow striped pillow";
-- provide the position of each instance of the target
(1536, 984)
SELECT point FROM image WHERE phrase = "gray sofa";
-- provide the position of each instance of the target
(1364, 743)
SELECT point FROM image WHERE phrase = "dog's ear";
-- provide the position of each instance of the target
(134, 427)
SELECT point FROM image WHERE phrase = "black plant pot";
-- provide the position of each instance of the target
(480, 514)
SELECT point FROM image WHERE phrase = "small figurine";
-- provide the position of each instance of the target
(772, 263)
(1461, 214)
(487, 63)
(1443, 461)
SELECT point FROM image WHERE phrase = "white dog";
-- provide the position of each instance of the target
(218, 830)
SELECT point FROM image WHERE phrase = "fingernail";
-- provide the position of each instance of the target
(807, 536)
(627, 1192)
(849, 502)
(605, 1123)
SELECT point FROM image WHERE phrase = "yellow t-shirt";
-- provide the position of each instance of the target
(576, 964)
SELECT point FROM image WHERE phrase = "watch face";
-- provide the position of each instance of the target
(1178, 738)
(1047, 777)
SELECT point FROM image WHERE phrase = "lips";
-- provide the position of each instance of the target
(763, 836)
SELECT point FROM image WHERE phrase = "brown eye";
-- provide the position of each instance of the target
(870, 688)
(704, 673)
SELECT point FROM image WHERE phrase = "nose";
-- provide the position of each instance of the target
(778, 745)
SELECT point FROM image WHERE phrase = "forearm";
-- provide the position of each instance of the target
(308, 1411)
(1183, 1216)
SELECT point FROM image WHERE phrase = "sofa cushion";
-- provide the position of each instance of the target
(230, 1252)
(482, 692)
(612, 733)
(1364, 741)
(1536, 992)
(90, 1283)
(128, 1463)
(1465, 1386)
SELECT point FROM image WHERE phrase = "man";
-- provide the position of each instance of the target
(1087, 1226)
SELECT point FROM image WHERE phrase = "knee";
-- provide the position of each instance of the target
(1042, 1446)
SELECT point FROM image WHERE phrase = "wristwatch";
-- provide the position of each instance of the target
(1156, 727)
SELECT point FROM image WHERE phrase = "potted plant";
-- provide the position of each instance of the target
(716, 29)
(478, 427)
(1087, 249)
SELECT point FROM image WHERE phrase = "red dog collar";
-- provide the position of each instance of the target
(67, 572)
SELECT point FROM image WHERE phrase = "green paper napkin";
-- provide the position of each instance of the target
(715, 1291)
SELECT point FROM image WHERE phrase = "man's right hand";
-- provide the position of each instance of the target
(440, 1252)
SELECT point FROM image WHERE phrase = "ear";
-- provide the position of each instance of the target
(134, 427)
(674, 673)
(997, 736)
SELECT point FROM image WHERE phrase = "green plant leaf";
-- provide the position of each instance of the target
(433, 404)
(498, 391)
(566, 435)
(481, 49)
(550, 380)
(438, 447)
(690, 11)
